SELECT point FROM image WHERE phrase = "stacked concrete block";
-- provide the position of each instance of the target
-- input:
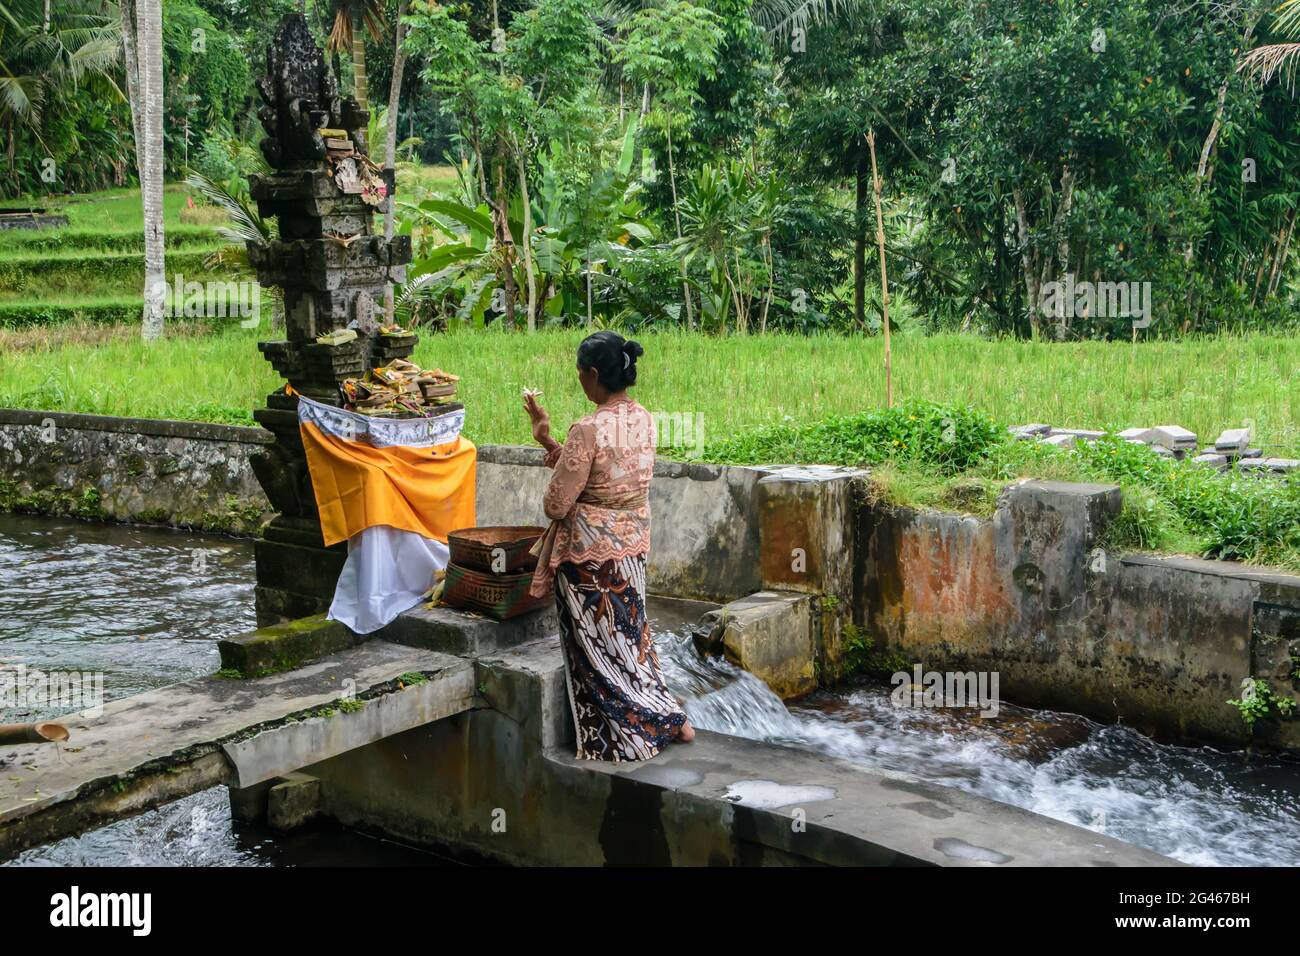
(1174, 437)
(1081, 434)
(1210, 459)
(1233, 442)
(1025, 432)
(1231, 448)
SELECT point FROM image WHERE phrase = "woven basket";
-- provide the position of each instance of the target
(499, 596)
(472, 548)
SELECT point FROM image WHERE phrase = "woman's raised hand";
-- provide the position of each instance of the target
(540, 419)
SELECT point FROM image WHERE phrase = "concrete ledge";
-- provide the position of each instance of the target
(159, 427)
(153, 748)
(445, 686)
(465, 633)
(292, 801)
(282, 647)
(527, 685)
(726, 800)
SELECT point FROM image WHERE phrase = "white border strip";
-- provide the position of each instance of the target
(381, 432)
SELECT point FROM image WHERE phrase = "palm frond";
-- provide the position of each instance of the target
(246, 225)
(778, 17)
(21, 96)
(1264, 63)
(1287, 17)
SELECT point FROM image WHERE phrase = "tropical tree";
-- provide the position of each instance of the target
(143, 44)
(669, 50)
(47, 53)
(352, 19)
(1277, 59)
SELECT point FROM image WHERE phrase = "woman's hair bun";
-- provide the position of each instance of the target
(613, 357)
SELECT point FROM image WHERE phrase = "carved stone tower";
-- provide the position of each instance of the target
(334, 271)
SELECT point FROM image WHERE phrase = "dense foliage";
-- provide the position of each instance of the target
(1066, 170)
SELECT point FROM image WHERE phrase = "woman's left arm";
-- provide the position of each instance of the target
(572, 469)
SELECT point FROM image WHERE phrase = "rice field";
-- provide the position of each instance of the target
(734, 383)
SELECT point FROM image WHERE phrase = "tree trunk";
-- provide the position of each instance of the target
(1204, 171)
(132, 67)
(677, 218)
(150, 55)
(390, 135)
(1026, 260)
(359, 89)
(860, 244)
(884, 278)
(1279, 265)
(526, 198)
(506, 242)
(1063, 244)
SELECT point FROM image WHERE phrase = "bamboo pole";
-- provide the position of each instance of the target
(884, 276)
(41, 732)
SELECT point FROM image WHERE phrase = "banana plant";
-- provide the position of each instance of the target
(578, 239)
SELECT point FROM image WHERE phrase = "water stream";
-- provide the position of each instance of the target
(1195, 804)
(146, 608)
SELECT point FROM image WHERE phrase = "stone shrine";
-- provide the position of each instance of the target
(334, 271)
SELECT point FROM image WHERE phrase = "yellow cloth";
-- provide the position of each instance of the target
(429, 491)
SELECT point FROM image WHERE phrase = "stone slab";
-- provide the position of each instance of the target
(466, 633)
(281, 647)
(754, 791)
(156, 747)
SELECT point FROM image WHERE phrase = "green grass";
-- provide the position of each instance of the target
(111, 210)
(86, 274)
(736, 383)
(92, 270)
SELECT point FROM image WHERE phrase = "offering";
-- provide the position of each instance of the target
(401, 389)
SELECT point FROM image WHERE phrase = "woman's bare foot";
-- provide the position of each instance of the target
(686, 734)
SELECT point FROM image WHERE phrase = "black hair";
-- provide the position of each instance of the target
(612, 356)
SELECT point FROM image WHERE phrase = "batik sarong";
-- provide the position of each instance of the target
(622, 710)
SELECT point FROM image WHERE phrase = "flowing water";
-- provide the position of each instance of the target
(145, 607)
(1197, 805)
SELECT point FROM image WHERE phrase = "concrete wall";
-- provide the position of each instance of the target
(1158, 643)
(185, 474)
(190, 474)
(704, 532)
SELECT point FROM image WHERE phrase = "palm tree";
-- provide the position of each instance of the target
(1268, 61)
(43, 52)
(350, 17)
(142, 36)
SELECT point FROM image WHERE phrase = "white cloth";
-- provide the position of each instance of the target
(386, 573)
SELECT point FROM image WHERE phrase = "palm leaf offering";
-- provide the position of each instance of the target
(400, 389)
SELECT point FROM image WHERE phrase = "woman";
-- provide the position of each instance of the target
(593, 558)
